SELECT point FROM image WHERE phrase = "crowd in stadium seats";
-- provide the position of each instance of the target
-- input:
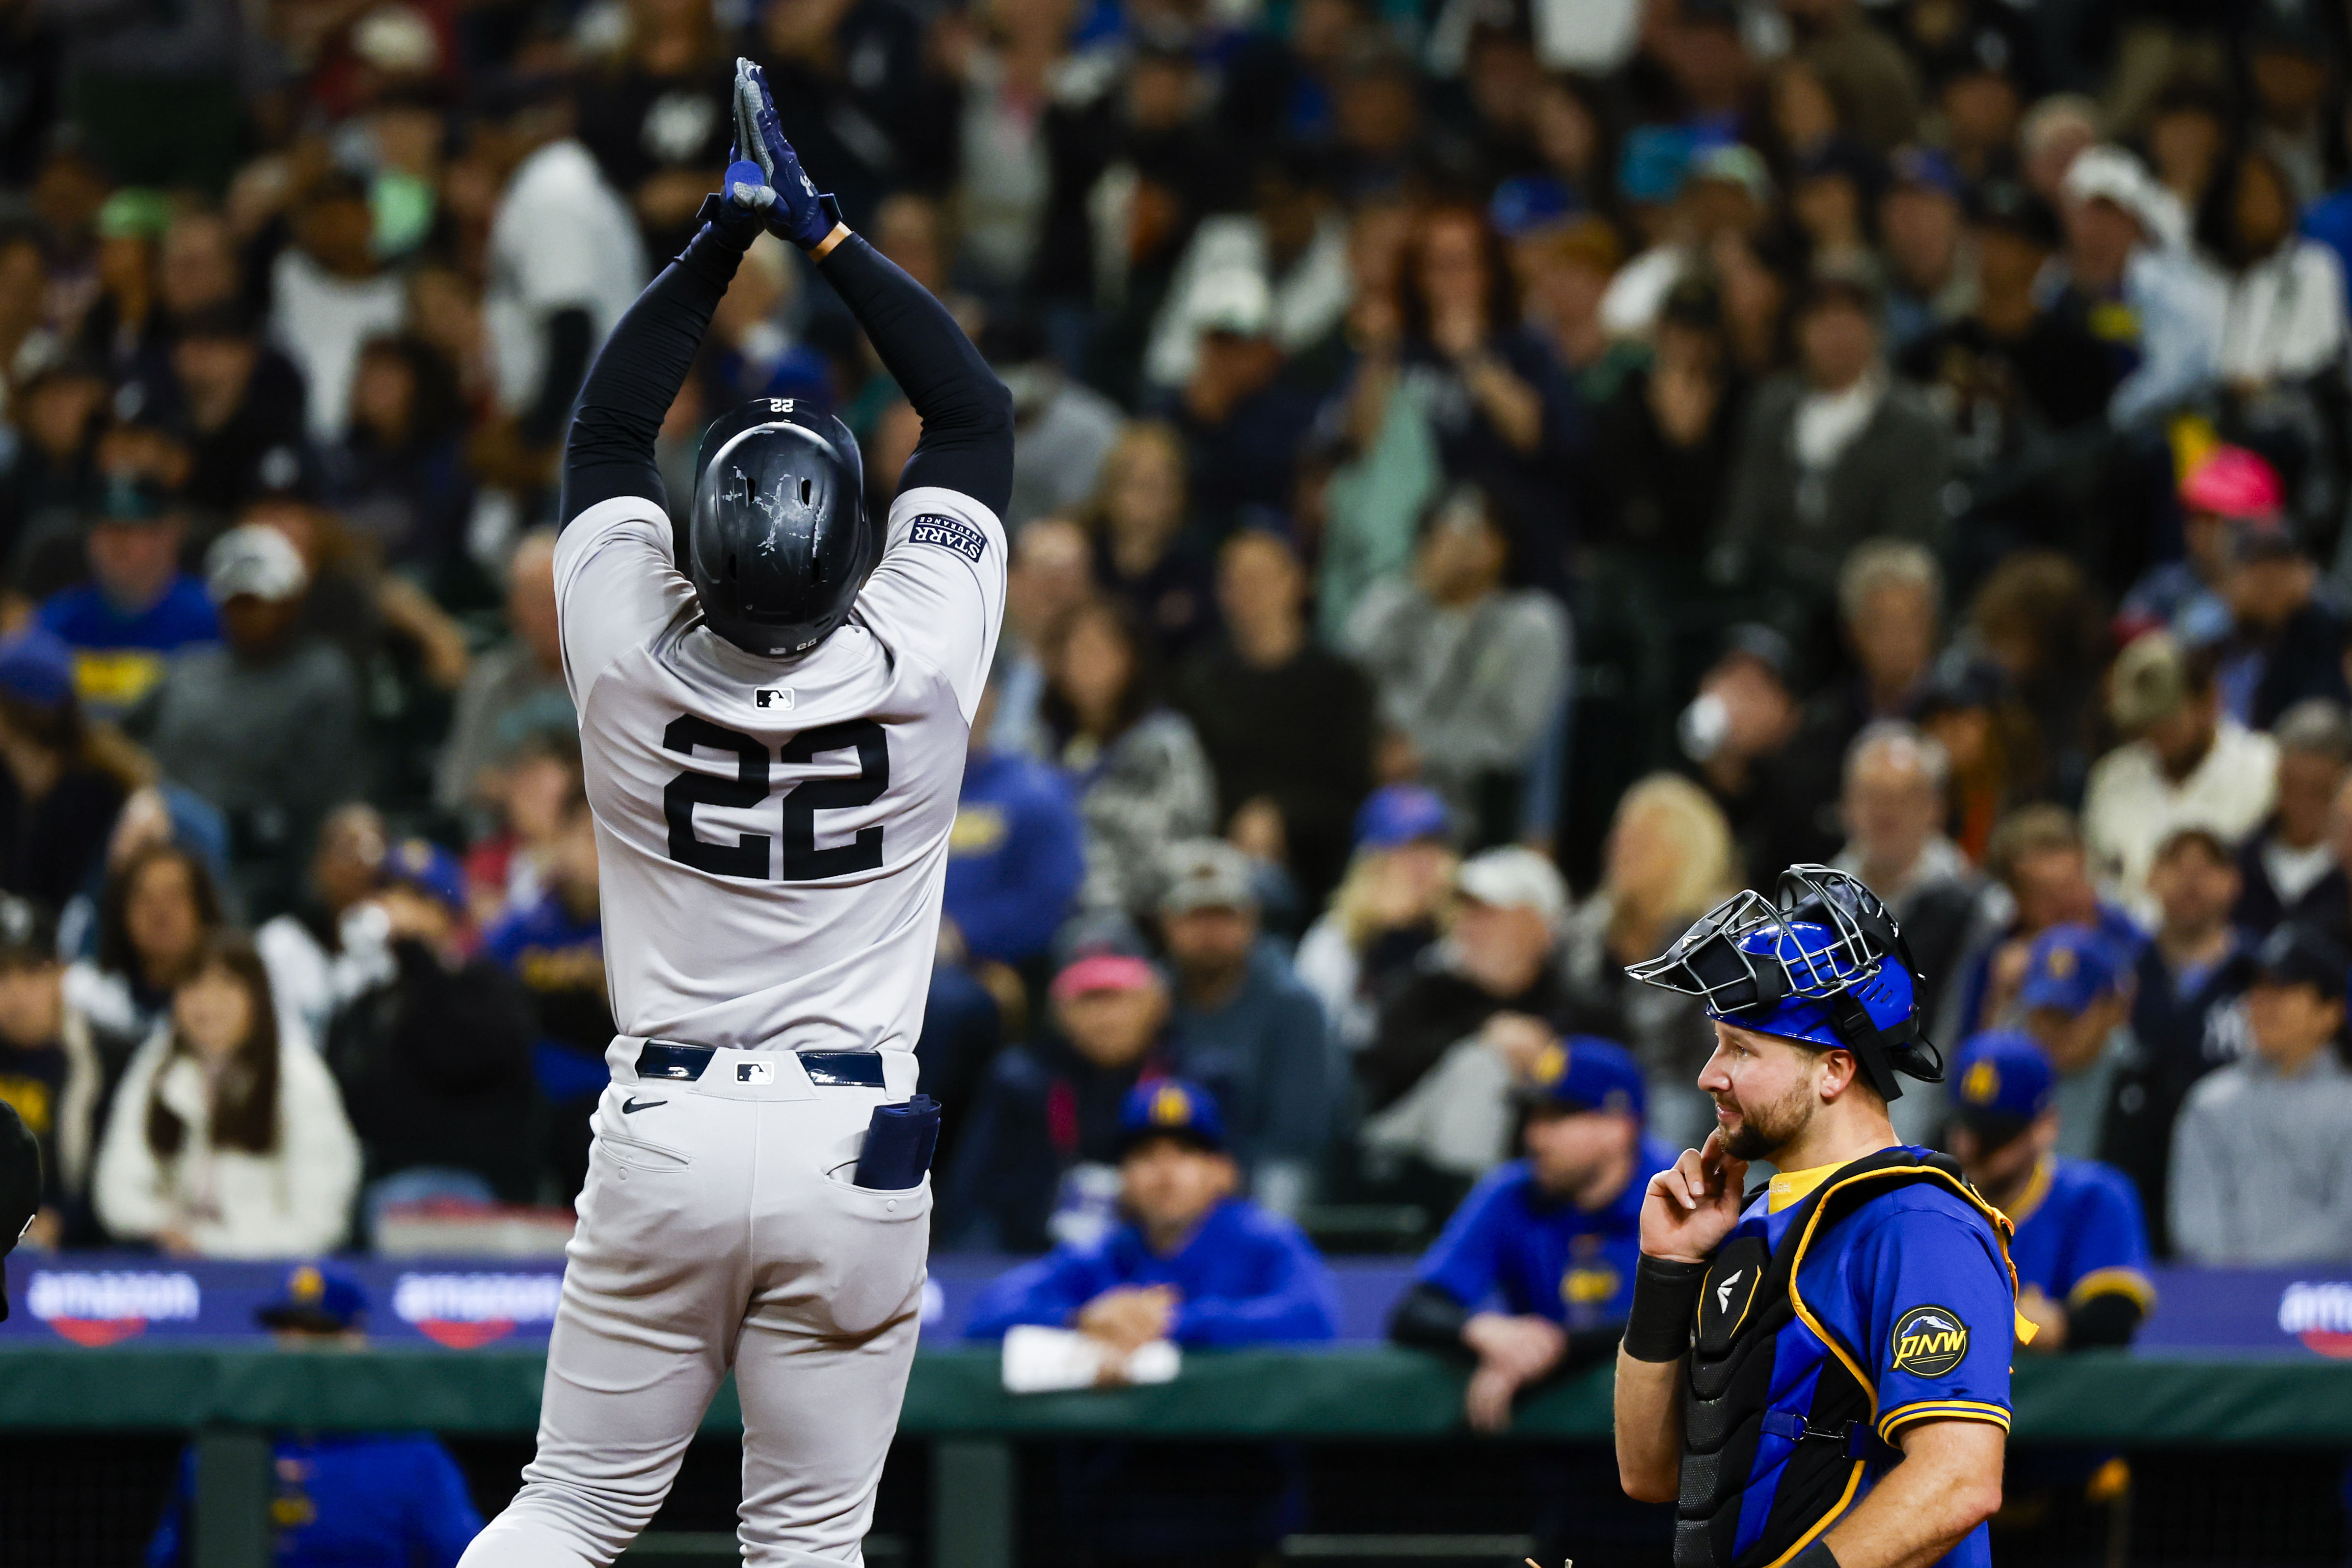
(1493, 477)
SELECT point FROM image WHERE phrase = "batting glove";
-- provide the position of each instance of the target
(782, 192)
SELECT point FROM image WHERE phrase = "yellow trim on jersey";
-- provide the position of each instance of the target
(1852, 1484)
(2037, 1188)
(1940, 1410)
(2116, 1281)
(1790, 1188)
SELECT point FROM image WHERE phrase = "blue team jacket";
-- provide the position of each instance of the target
(1246, 1277)
(1542, 1255)
(362, 1500)
(1014, 855)
(2080, 1233)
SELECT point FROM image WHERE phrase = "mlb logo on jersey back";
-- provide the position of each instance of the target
(773, 696)
(948, 533)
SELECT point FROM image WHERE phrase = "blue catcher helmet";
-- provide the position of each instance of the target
(778, 543)
(1821, 961)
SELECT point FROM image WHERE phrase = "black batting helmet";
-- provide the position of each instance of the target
(777, 544)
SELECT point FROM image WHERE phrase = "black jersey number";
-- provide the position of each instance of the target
(748, 856)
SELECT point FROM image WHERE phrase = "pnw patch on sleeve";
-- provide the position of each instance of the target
(948, 533)
(1929, 1341)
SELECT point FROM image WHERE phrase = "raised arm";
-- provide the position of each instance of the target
(967, 414)
(636, 375)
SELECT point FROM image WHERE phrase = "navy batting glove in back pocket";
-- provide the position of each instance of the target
(898, 1145)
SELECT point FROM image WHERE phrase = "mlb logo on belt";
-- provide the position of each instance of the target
(755, 1072)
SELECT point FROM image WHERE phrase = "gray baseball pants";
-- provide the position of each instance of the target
(718, 1229)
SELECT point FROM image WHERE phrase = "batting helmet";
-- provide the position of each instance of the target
(779, 544)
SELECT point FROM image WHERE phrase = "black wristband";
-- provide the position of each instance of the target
(1817, 1555)
(1665, 1295)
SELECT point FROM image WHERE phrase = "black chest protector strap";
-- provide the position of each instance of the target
(1745, 1312)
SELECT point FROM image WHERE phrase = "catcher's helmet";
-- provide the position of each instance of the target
(1822, 961)
(778, 543)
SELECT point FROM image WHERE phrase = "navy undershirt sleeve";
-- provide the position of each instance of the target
(636, 375)
(967, 441)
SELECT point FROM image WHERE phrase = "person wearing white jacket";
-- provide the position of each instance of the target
(224, 1142)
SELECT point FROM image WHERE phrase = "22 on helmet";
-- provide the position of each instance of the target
(778, 543)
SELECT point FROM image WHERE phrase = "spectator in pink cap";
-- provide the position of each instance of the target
(2228, 490)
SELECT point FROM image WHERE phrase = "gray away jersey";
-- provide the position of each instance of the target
(773, 833)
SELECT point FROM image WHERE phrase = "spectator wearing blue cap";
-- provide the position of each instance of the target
(1534, 1272)
(433, 1053)
(2076, 1002)
(1386, 912)
(65, 776)
(1191, 1261)
(1016, 853)
(2081, 1248)
(2259, 1175)
(347, 1499)
(1931, 262)
(1242, 1023)
(138, 607)
(1287, 724)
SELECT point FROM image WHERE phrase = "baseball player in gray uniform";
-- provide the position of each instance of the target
(773, 729)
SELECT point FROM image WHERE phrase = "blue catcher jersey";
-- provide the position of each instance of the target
(2080, 1233)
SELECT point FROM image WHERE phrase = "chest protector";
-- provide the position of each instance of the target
(1744, 1329)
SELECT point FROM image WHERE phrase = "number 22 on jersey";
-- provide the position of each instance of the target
(748, 856)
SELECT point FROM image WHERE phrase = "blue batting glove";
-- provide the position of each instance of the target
(788, 198)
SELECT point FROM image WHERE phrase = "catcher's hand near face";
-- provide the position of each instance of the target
(1693, 1204)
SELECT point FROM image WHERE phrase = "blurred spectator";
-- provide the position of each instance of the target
(1051, 575)
(1193, 1262)
(1385, 912)
(2127, 246)
(1141, 778)
(1456, 1039)
(2076, 1001)
(1874, 84)
(1035, 1167)
(138, 607)
(1668, 861)
(1286, 724)
(1965, 706)
(554, 944)
(2226, 491)
(49, 1071)
(1534, 1273)
(329, 947)
(329, 294)
(357, 1497)
(2036, 619)
(1290, 240)
(1016, 854)
(397, 475)
(124, 326)
(1725, 192)
(515, 685)
(57, 400)
(2081, 1248)
(1892, 808)
(159, 907)
(266, 726)
(224, 1142)
(1669, 431)
(1739, 736)
(2284, 640)
(434, 1054)
(2186, 1015)
(1142, 552)
(2284, 321)
(565, 260)
(245, 404)
(63, 777)
(2258, 1169)
(2291, 868)
(2189, 763)
(1242, 1025)
(1240, 418)
(1932, 277)
(1830, 455)
(1890, 596)
(1467, 671)
(2036, 855)
(1062, 431)
(660, 117)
